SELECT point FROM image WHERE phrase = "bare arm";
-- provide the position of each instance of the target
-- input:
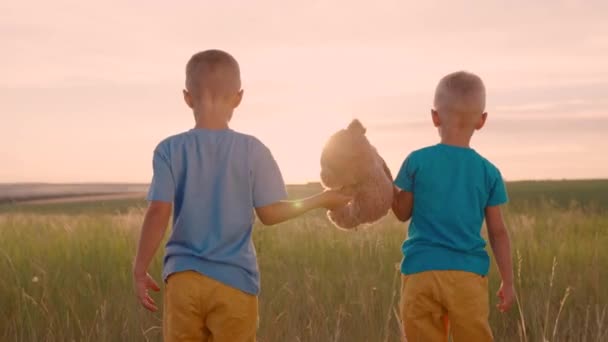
(152, 233)
(286, 210)
(403, 203)
(501, 246)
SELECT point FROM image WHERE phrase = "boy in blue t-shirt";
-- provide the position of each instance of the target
(447, 190)
(213, 179)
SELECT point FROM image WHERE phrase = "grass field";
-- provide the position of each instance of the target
(66, 272)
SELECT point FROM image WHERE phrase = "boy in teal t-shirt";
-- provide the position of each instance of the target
(447, 190)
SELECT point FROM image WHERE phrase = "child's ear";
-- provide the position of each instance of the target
(435, 117)
(238, 98)
(188, 98)
(482, 121)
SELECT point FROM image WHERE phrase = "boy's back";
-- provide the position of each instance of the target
(448, 190)
(452, 186)
(215, 178)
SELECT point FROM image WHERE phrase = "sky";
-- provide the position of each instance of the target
(87, 89)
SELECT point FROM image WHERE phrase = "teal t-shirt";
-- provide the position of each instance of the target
(215, 178)
(452, 186)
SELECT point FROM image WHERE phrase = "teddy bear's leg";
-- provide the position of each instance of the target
(375, 199)
(344, 217)
(368, 209)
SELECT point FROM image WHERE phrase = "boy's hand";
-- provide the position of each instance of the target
(333, 199)
(143, 283)
(506, 294)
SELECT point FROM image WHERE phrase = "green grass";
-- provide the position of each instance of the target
(67, 276)
(588, 194)
(114, 206)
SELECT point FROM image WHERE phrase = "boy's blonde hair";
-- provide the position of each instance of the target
(460, 92)
(214, 72)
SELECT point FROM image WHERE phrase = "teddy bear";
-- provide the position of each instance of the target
(350, 164)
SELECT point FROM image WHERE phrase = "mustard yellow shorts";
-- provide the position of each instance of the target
(436, 304)
(198, 308)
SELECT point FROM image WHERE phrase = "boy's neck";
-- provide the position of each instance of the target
(215, 121)
(460, 140)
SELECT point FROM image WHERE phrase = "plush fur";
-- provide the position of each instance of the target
(351, 164)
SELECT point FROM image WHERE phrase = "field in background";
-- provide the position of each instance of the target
(93, 199)
(66, 272)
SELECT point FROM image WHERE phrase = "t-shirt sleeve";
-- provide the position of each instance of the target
(405, 177)
(268, 185)
(498, 191)
(162, 187)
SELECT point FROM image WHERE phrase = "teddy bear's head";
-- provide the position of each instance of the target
(346, 157)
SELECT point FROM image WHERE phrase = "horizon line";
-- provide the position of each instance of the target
(286, 183)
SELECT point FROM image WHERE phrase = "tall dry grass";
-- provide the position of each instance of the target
(67, 278)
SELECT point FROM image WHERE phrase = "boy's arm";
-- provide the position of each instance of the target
(403, 202)
(269, 193)
(152, 233)
(285, 210)
(501, 246)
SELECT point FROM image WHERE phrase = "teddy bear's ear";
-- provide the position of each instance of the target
(357, 127)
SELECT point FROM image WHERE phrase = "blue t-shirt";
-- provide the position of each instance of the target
(215, 178)
(452, 186)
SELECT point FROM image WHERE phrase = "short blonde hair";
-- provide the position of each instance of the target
(460, 92)
(213, 71)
